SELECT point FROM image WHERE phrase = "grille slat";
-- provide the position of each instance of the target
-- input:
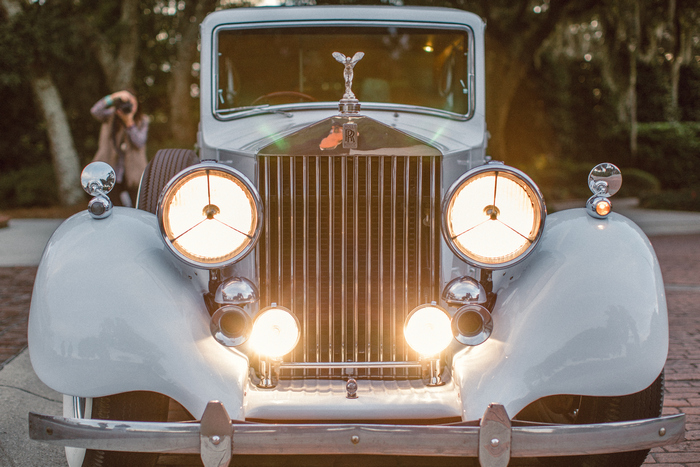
(365, 213)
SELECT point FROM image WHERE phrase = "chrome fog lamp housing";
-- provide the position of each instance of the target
(230, 326)
(493, 216)
(275, 332)
(464, 290)
(604, 180)
(236, 291)
(210, 215)
(427, 330)
(472, 325)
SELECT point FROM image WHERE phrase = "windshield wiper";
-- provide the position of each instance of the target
(257, 109)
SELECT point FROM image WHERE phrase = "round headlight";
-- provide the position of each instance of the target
(275, 332)
(428, 330)
(493, 216)
(210, 215)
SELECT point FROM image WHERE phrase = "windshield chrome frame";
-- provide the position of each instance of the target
(233, 114)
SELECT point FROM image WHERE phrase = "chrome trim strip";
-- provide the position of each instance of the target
(265, 166)
(331, 317)
(434, 196)
(405, 239)
(317, 239)
(305, 265)
(368, 310)
(343, 258)
(406, 440)
(280, 289)
(355, 259)
(292, 231)
(381, 257)
(336, 365)
(419, 215)
(392, 328)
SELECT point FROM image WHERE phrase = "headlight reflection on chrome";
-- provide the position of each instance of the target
(493, 216)
(210, 215)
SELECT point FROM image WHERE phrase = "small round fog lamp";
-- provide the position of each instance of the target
(428, 330)
(275, 332)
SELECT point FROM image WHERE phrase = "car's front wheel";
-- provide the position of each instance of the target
(132, 406)
(583, 410)
(165, 165)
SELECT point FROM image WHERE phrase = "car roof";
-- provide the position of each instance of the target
(344, 13)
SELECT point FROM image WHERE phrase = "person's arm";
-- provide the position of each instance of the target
(103, 108)
(138, 133)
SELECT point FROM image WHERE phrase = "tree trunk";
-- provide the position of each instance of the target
(119, 67)
(66, 163)
(65, 159)
(183, 125)
(505, 73)
(634, 51)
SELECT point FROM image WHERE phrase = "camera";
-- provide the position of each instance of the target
(123, 106)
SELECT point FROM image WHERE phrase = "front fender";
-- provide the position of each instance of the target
(113, 311)
(585, 314)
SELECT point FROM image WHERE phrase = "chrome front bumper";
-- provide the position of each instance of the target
(494, 440)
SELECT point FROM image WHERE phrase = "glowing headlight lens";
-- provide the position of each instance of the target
(210, 215)
(428, 330)
(493, 216)
(275, 332)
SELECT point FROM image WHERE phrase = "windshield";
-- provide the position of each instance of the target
(416, 67)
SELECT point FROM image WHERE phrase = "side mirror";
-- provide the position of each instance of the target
(604, 181)
(98, 179)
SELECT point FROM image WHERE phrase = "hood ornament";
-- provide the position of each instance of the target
(349, 105)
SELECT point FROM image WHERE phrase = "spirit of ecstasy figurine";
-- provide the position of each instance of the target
(349, 65)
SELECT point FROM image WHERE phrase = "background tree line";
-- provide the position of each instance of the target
(569, 83)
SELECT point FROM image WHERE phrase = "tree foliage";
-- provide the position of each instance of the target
(565, 78)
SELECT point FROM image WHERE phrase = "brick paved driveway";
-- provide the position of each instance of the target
(680, 263)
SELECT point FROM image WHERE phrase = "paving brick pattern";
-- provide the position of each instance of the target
(15, 293)
(680, 263)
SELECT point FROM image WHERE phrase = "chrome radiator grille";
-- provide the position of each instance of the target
(350, 244)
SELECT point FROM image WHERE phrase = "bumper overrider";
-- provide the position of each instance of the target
(494, 439)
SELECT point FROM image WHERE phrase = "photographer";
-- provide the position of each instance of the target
(122, 141)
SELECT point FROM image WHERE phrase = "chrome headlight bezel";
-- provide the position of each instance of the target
(538, 208)
(248, 189)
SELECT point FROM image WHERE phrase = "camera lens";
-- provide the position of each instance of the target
(123, 106)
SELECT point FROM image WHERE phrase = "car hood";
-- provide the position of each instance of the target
(248, 135)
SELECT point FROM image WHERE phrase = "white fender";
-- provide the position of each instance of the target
(114, 311)
(585, 314)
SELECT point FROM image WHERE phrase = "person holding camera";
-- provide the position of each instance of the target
(122, 142)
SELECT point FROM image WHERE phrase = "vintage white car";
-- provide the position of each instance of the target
(343, 271)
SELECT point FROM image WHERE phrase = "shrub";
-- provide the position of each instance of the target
(560, 179)
(671, 152)
(637, 183)
(28, 187)
(685, 199)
